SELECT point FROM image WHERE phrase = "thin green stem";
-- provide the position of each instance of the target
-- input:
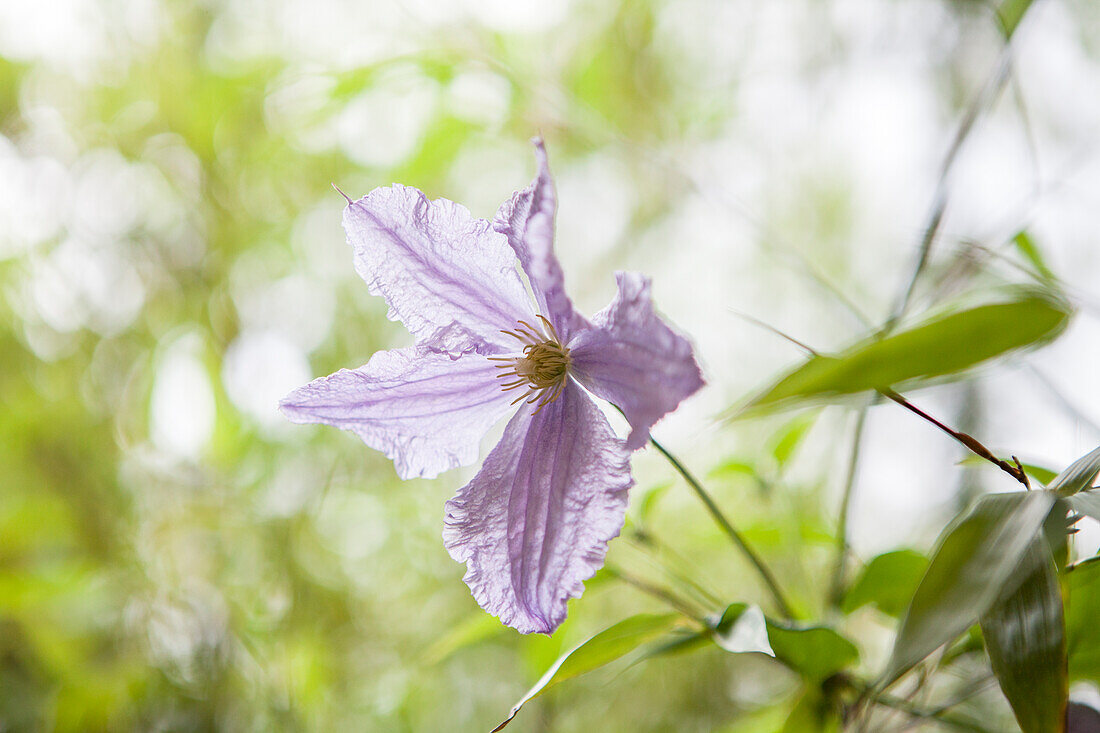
(645, 541)
(737, 538)
(836, 587)
(664, 594)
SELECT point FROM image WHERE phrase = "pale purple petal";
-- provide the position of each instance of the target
(634, 360)
(425, 410)
(534, 523)
(528, 222)
(436, 265)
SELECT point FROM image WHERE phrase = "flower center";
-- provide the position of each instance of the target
(543, 368)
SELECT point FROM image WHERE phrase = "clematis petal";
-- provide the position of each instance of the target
(534, 523)
(528, 222)
(436, 265)
(425, 410)
(634, 360)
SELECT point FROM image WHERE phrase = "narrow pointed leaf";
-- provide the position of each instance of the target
(1040, 473)
(1082, 599)
(1025, 638)
(1010, 13)
(790, 436)
(888, 582)
(1027, 247)
(971, 568)
(1086, 502)
(603, 648)
(1078, 476)
(945, 345)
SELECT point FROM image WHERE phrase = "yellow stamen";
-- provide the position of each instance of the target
(543, 368)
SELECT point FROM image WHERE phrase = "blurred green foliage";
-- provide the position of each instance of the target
(174, 557)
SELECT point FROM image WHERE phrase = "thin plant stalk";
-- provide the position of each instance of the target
(836, 586)
(738, 539)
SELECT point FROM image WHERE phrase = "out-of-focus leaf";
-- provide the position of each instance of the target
(1082, 599)
(1086, 502)
(944, 345)
(1026, 246)
(1078, 476)
(475, 629)
(1025, 638)
(733, 468)
(603, 648)
(743, 629)
(812, 714)
(1041, 474)
(650, 499)
(815, 652)
(1010, 13)
(888, 582)
(790, 436)
(971, 567)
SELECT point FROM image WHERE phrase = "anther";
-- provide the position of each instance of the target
(543, 367)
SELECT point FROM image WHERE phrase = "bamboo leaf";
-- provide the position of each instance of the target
(1082, 599)
(1026, 641)
(971, 568)
(603, 648)
(888, 582)
(1078, 476)
(945, 345)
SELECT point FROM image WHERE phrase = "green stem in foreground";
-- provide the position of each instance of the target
(730, 530)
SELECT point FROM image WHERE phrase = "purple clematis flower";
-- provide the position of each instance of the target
(535, 521)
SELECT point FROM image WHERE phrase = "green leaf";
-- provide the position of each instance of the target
(1025, 638)
(606, 646)
(650, 499)
(741, 629)
(1086, 502)
(945, 345)
(970, 569)
(815, 652)
(812, 714)
(473, 630)
(1040, 473)
(1082, 598)
(1026, 246)
(1078, 476)
(1010, 13)
(790, 437)
(888, 582)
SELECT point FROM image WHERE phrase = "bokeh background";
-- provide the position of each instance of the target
(175, 556)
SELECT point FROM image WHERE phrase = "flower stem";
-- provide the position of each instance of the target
(1015, 471)
(730, 530)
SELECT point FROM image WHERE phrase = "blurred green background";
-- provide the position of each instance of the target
(175, 556)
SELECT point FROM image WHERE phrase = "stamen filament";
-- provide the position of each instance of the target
(543, 367)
